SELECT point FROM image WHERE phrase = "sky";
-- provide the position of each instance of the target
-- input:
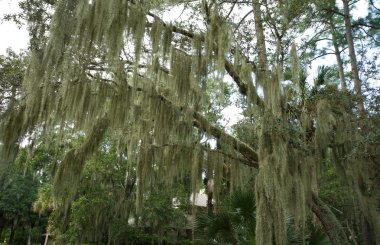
(11, 36)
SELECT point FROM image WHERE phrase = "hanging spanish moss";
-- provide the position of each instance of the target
(283, 185)
(336, 130)
(11, 131)
(70, 169)
(181, 71)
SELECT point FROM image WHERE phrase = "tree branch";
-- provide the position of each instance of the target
(330, 223)
(203, 124)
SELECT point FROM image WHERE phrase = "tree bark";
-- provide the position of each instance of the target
(260, 38)
(29, 242)
(13, 230)
(329, 222)
(337, 55)
(366, 230)
(2, 224)
(351, 51)
(46, 242)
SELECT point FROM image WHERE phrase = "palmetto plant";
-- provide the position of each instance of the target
(233, 224)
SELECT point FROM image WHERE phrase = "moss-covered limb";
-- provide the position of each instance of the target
(330, 223)
(242, 160)
(177, 29)
(243, 87)
(228, 155)
(202, 123)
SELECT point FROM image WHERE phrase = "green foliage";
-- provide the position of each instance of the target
(44, 203)
(166, 211)
(12, 69)
(234, 223)
(18, 191)
(247, 132)
(216, 98)
(312, 235)
(333, 190)
(324, 76)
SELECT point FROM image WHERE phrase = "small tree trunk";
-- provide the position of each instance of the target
(329, 222)
(337, 55)
(366, 230)
(260, 38)
(29, 242)
(46, 239)
(1, 227)
(209, 191)
(13, 230)
(351, 51)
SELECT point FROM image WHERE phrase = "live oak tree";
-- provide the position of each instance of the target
(117, 68)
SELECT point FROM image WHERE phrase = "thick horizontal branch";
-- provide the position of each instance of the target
(203, 124)
(355, 25)
(226, 154)
(177, 29)
(333, 11)
(243, 88)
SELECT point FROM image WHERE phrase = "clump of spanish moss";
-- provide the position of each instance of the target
(246, 75)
